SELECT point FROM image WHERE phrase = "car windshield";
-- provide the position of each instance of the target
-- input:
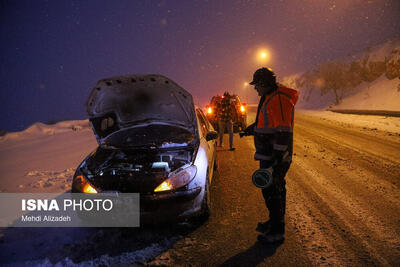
(159, 135)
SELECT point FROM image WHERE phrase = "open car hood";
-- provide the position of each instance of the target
(124, 101)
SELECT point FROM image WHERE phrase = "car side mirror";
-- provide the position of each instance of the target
(212, 135)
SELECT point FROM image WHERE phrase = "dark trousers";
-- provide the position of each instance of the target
(222, 125)
(275, 195)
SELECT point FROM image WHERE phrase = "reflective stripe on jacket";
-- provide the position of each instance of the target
(273, 132)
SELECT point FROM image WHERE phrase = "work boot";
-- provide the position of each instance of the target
(274, 235)
(232, 148)
(263, 227)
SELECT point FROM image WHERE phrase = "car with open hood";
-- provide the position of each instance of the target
(152, 140)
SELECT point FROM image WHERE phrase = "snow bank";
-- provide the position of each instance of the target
(40, 129)
(382, 123)
(134, 258)
(43, 157)
(381, 94)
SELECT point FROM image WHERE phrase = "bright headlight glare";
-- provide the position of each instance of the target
(82, 185)
(178, 179)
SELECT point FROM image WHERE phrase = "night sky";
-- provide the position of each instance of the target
(53, 52)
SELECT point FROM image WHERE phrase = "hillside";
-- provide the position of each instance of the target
(367, 80)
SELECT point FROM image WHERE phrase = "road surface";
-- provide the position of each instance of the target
(343, 203)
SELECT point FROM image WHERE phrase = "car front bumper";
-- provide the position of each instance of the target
(169, 206)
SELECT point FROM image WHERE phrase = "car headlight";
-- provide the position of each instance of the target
(82, 185)
(178, 179)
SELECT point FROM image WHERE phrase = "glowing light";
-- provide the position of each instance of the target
(165, 186)
(242, 109)
(83, 186)
(209, 110)
(262, 56)
(89, 189)
(245, 83)
(177, 180)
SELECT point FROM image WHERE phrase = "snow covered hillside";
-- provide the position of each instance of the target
(367, 80)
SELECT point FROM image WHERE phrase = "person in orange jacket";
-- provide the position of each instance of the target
(273, 140)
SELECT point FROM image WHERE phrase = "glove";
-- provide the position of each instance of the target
(248, 131)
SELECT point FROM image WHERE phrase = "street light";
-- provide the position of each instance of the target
(262, 56)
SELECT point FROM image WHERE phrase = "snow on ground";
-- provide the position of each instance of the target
(56, 179)
(382, 123)
(43, 158)
(135, 258)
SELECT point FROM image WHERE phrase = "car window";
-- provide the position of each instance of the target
(203, 123)
(208, 124)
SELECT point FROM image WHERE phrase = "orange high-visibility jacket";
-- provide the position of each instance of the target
(273, 131)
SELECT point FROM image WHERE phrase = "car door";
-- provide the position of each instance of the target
(205, 127)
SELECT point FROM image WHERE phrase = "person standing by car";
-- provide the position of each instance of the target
(225, 113)
(273, 140)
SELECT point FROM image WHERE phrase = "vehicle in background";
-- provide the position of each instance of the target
(152, 140)
(239, 117)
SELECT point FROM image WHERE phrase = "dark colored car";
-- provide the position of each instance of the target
(239, 117)
(153, 141)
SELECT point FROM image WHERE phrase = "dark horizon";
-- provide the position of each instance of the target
(53, 53)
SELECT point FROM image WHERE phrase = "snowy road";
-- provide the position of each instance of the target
(343, 208)
(343, 203)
